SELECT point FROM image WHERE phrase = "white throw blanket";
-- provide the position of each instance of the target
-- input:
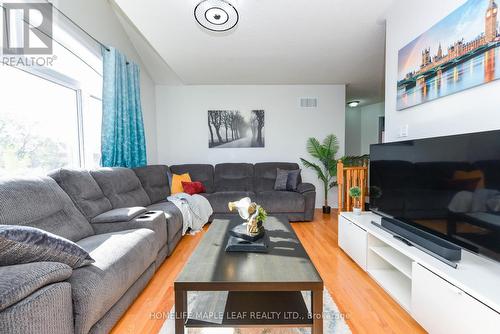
(195, 210)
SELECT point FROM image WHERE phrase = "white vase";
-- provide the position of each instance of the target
(357, 211)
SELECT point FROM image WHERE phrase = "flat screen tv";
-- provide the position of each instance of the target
(449, 186)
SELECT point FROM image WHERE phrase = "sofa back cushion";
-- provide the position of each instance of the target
(265, 174)
(83, 191)
(154, 180)
(39, 202)
(234, 177)
(121, 186)
(198, 172)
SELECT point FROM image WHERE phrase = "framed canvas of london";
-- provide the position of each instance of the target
(459, 52)
(235, 128)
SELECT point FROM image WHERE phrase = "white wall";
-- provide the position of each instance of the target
(370, 125)
(476, 109)
(98, 19)
(183, 132)
(352, 131)
(362, 126)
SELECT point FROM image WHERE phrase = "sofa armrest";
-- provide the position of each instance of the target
(308, 190)
(48, 310)
(305, 187)
(119, 215)
(20, 281)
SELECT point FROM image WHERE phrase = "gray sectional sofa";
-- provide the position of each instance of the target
(230, 181)
(122, 218)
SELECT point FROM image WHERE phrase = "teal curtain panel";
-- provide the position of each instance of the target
(123, 142)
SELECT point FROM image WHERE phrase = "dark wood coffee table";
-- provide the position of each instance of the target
(249, 289)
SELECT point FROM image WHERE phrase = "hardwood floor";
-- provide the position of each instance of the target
(367, 307)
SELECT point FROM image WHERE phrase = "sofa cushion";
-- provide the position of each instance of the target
(293, 179)
(119, 215)
(199, 172)
(83, 191)
(121, 186)
(154, 180)
(39, 202)
(265, 174)
(281, 179)
(48, 310)
(219, 200)
(177, 180)
(25, 244)
(20, 281)
(234, 177)
(173, 215)
(305, 187)
(192, 188)
(281, 201)
(153, 220)
(120, 259)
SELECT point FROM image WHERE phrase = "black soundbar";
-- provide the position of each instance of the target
(427, 241)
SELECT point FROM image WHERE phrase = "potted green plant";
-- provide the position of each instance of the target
(355, 193)
(326, 169)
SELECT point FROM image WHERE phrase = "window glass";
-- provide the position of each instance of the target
(73, 67)
(50, 116)
(38, 124)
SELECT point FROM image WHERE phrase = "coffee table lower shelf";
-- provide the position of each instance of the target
(249, 309)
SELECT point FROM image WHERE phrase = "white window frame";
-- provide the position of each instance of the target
(82, 97)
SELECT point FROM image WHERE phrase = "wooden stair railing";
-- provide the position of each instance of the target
(348, 177)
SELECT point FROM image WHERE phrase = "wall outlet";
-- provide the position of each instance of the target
(403, 131)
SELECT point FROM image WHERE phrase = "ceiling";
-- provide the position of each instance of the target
(275, 42)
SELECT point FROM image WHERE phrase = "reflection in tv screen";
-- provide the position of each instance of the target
(449, 186)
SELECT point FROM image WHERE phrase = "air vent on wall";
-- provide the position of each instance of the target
(308, 102)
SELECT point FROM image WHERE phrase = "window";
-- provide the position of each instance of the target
(50, 117)
(38, 123)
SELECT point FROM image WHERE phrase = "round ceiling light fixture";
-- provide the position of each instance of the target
(353, 104)
(216, 15)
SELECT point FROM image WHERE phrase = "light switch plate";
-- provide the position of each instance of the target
(403, 131)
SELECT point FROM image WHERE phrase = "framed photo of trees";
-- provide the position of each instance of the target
(235, 129)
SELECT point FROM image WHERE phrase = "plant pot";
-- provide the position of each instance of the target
(356, 210)
(327, 209)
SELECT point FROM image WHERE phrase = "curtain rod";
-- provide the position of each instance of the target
(83, 30)
(79, 27)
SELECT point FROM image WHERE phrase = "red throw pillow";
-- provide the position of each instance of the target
(192, 188)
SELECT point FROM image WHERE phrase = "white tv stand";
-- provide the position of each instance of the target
(442, 299)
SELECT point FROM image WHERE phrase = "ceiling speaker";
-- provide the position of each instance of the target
(216, 15)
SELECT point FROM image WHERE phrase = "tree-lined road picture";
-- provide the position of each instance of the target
(235, 129)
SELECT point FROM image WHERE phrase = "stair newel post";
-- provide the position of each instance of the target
(340, 183)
